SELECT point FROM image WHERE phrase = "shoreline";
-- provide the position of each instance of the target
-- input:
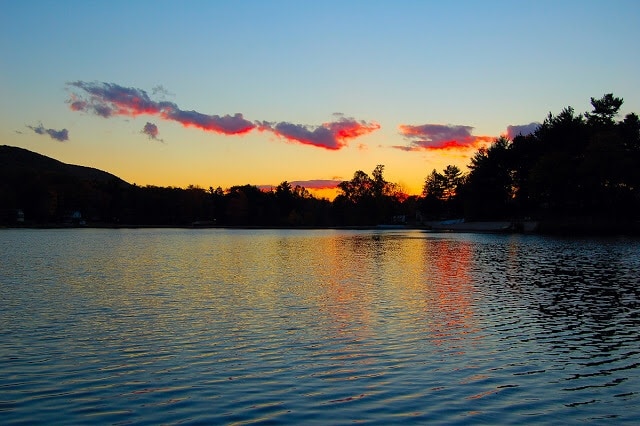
(560, 227)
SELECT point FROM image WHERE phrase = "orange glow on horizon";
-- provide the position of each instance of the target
(328, 193)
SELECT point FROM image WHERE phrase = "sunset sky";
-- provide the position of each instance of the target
(222, 93)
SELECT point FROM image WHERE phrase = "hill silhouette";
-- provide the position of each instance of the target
(43, 190)
(36, 190)
(20, 163)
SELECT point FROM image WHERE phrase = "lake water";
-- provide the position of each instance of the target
(215, 326)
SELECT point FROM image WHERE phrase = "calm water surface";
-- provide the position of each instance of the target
(334, 327)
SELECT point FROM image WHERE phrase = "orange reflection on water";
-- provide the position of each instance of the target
(449, 288)
(347, 285)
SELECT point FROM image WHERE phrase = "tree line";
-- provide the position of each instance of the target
(574, 167)
(47, 200)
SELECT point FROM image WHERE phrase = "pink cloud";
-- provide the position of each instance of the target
(109, 99)
(331, 135)
(317, 183)
(440, 137)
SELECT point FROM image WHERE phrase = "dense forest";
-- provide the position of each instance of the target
(575, 170)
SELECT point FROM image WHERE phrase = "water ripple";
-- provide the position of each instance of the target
(245, 326)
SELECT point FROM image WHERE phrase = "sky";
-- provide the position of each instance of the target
(222, 93)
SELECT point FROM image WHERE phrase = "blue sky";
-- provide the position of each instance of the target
(480, 66)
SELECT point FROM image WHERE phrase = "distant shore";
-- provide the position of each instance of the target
(546, 227)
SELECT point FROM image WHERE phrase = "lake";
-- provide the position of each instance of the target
(220, 326)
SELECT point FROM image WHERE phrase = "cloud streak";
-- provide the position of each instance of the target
(317, 183)
(59, 135)
(429, 137)
(110, 100)
(332, 135)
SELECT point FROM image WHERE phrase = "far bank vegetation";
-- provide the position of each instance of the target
(576, 168)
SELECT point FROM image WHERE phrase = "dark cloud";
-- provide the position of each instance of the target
(151, 130)
(59, 135)
(332, 135)
(521, 129)
(227, 124)
(109, 99)
(440, 136)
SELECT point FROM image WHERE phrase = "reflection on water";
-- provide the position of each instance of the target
(225, 326)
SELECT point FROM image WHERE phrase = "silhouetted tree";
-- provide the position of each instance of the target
(442, 194)
(489, 190)
(294, 205)
(453, 180)
(434, 186)
(570, 169)
(433, 191)
(367, 201)
(604, 110)
(248, 205)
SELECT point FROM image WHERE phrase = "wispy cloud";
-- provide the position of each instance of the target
(332, 135)
(59, 135)
(160, 90)
(521, 129)
(440, 137)
(151, 130)
(109, 99)
(317, 183)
